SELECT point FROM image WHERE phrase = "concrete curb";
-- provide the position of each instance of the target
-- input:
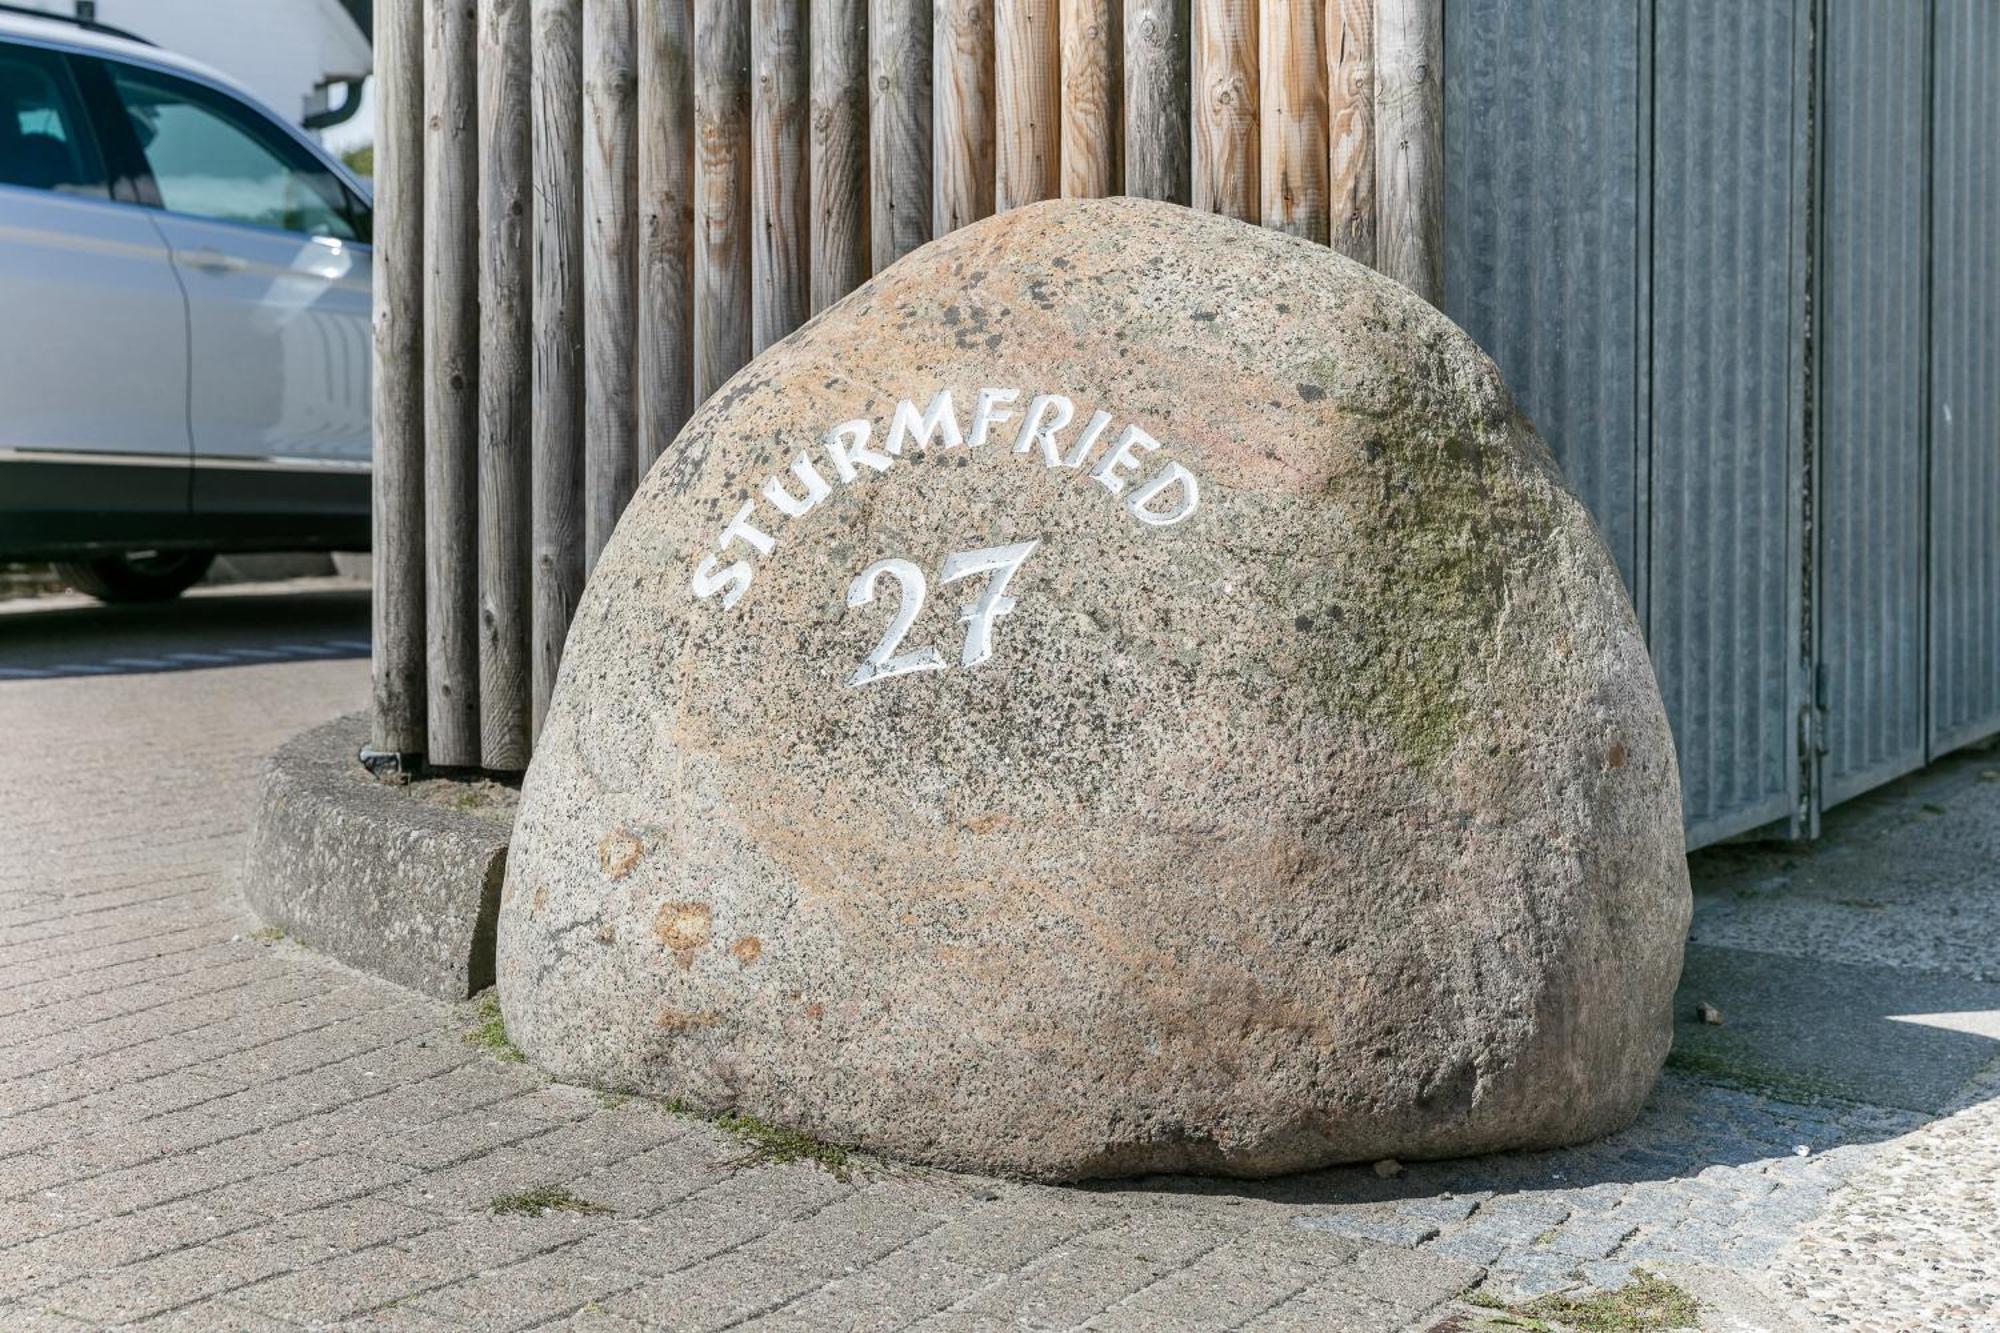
(394, 886)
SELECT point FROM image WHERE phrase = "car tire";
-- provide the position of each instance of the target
(139, 576)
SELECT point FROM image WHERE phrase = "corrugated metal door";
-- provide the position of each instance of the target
(1873, 273)
(1542, 179)
(1731, 83)
(1965, 376)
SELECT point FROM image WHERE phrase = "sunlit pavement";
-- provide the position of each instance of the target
(201, 1127)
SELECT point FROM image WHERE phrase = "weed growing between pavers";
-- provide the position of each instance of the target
(774, 1145)
(491, 1034)
(267, 935)
(1647, 1304)
(543, 1199)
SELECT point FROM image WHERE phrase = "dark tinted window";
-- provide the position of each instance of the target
(45, 141)
(215, 158)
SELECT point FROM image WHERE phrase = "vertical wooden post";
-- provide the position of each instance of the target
(610, 268)
(665, 357)
(962, 145)
(1292, 161)
(397, 730)
(505, 266)
(899, 128)
(839, 169)
(1092, 84)
(779, 201)
(722, 313)
(1156, 99)
(451, 381)
(1350, 85)
(1027, 102)
(557, 410)
(1224, 108)
(1409, 144)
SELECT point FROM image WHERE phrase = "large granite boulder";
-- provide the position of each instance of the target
(1123, 691)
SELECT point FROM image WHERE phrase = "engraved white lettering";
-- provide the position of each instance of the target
(732, 582)
(1035, 430)
(1106, 473)
(987, 413)
(1143, 496)
(939, 417)
(808, 476)
(847, 444)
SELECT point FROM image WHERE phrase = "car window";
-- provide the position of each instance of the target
(212, 157)
(44, 142)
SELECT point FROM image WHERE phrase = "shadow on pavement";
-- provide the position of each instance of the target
(240, 625)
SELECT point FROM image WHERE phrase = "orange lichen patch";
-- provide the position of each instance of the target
(747, 950)
(1615, 756)
(986, 823)
(815, 1011)
(617, 852)
(682, 928)
(677, 1020)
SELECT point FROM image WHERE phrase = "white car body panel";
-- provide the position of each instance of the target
(93, 329)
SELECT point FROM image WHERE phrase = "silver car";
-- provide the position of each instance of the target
(184, 331)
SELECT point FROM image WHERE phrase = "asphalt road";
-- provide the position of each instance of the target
(44, 638)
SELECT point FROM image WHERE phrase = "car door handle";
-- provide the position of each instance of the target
(214, 261)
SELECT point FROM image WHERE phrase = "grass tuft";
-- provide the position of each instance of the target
(1647, 1304)
(543, 1199)
(267, 935)
(774, 1145)
(491, 1034)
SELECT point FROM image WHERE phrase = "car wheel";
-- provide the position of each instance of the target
(136, 576)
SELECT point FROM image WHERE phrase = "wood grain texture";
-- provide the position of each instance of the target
(397, 702)
(1409, 144)
(1350, 95)
(1291, 123)
(557, 412)
(506, 264)
(610, 268)
(1223, 108)
(1092, 53)
(451, 382)
(722, 302)
(665, 353)
(1027, 102)
(1156, 99)
(962, 59)
(838, 174)
(780, 39)
(899, 128)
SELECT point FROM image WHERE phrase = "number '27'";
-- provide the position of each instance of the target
(1002, 562)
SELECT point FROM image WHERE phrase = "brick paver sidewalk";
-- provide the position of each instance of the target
(204, 1128)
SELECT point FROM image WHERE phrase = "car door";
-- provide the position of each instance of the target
(93, 327)
(271, 249)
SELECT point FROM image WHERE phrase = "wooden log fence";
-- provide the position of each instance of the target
(591, 213)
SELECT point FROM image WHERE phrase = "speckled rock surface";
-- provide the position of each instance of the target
(1283, 783)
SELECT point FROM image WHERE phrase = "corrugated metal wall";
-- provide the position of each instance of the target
(1631, 188)
(1541, 253)
(1873, 271)
(1965, 376)
(1728, 249)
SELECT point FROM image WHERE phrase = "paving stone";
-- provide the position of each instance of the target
(1392, 1228)
(526, 1294)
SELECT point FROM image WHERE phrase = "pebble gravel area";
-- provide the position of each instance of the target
(204, 1127)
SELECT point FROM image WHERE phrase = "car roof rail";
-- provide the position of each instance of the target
(76, 21)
